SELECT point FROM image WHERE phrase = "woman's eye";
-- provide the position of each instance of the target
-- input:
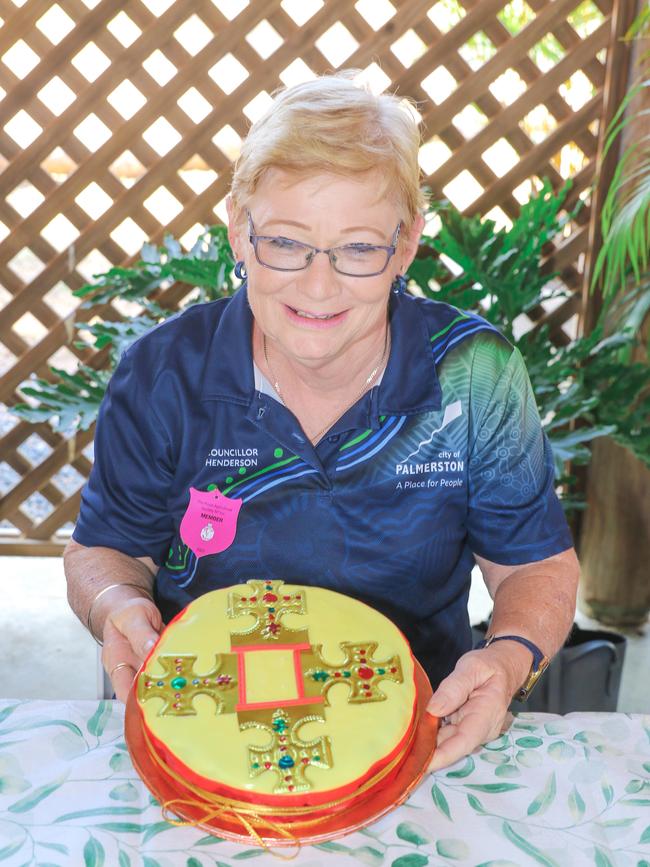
(359, 249)
(282, 243)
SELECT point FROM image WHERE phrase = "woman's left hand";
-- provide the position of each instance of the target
(475, 698)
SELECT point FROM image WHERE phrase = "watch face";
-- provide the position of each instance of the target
(531, 681)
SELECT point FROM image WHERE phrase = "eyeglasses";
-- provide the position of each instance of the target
(352, 260)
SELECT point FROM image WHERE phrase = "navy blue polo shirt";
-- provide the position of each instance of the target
(444, 458)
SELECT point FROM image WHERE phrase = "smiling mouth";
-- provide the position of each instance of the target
(306, 315)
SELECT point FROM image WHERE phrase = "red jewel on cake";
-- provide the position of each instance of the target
(273, 627)
(337, 674)
(305, 761)
(286, 598)
(393, 670)
(267, 765)
(290, 788)
(253, 599)
(365, 673)
(287, 779)
(269, 597)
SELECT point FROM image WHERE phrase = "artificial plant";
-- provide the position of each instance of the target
(500, 276)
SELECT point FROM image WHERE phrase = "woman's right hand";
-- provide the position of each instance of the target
(131, 628)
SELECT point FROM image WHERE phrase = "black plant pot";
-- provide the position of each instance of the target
(585, 675)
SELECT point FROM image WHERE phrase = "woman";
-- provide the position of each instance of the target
(325, 428)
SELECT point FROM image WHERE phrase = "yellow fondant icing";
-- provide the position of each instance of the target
(361, 734)
(270, 676)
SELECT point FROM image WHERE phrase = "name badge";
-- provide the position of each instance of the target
(210, 522)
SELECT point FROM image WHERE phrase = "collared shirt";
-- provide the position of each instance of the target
(444, 458)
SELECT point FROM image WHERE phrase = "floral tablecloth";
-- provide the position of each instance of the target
(554, 790)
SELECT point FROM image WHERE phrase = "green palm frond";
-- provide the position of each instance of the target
(625, 218)
(640, 27)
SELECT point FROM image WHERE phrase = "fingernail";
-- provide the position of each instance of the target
(148, 645)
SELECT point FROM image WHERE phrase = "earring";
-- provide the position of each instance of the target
(399, 284)
(240, 270)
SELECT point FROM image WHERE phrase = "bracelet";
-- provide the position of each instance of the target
(89, 626)
(539, 666)
(538, 656)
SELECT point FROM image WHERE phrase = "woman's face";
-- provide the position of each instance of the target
(324, 211)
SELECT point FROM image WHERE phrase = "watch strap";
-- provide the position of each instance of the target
(538, 656)
(539, 666)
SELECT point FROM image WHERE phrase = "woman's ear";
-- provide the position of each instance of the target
(412, 241)
(234, 230)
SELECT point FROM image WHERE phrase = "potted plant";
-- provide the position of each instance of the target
(615, 543)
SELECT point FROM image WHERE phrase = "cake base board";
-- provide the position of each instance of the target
(380, 802)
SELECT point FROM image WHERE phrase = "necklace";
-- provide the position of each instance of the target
(316, 437)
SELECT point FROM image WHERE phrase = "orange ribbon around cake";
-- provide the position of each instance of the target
(277, 820)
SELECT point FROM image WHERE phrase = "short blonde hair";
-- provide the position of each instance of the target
(332, 124)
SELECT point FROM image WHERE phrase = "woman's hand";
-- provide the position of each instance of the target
(475, 698)
(131, 629)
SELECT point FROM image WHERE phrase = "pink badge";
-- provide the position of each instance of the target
(210, 522)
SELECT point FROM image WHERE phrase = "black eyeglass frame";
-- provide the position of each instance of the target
(390, 250)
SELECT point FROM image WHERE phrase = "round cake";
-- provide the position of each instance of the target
(279, 695)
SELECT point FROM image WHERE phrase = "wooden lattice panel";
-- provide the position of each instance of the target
(119, 122)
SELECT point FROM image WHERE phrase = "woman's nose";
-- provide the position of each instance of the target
(319, 279)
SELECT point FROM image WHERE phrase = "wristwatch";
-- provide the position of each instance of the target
(537, 669)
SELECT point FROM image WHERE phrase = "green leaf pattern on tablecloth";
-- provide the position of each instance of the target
(369, 855)
(124, 792)
(560, 751)
(440, 801)
(522, 843)
(601, 858)
(413, 833)
(608, 792)
(94, 855)
(545, 798)
(465, 771)
(576, 805)
(508, 770)
(97, 722)
(571, 790)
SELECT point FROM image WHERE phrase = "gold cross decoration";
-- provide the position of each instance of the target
(286, 753)
(358, 670)
(268, 605)
(179, 685)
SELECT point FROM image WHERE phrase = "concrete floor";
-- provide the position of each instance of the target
(47, 653)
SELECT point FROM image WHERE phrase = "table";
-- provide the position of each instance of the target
(554, 790)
